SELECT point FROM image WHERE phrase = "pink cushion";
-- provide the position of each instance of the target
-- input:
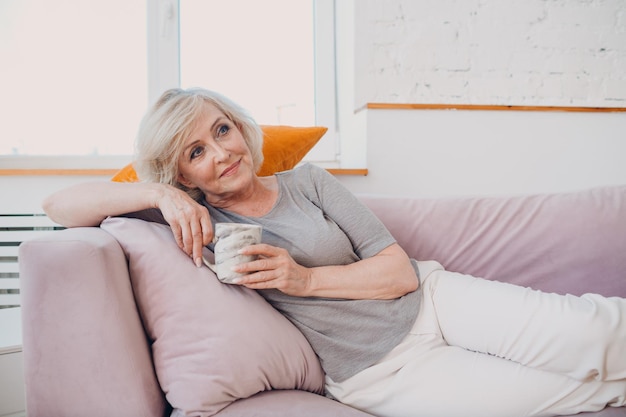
(85, 352)
(565, 243)
(290, 404)
(212, 343)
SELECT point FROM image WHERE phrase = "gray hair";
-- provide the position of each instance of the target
(170, 121)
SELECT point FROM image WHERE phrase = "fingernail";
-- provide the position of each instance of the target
(236, 281)
(198, 262)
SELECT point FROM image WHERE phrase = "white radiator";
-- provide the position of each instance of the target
(14, 229)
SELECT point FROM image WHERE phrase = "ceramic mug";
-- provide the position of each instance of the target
(228, 239)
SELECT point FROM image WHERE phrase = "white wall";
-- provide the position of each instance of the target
(489, 52)
(24, 194)
(536, 52)
(447, 153)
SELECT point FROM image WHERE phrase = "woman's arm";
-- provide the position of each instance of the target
(89, 204)
(387, 275)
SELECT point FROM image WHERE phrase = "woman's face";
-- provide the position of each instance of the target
(215, 157)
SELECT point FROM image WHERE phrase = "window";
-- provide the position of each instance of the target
(224, 46)
(77, 75)
(72, 76)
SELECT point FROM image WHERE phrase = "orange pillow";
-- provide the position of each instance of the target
(283, 148)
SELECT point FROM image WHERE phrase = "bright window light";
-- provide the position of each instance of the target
(73, 76)
(76, 75)
(258, 53)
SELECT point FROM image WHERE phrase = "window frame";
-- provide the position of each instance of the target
(163, 39)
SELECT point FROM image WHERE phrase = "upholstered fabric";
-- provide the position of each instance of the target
(283, 148)
(85, 351)
(212, 343)
(290, 404)
(565, 243)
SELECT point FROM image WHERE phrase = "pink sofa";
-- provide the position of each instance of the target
(95, 343)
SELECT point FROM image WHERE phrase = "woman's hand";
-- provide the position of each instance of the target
(89, 204)
(190, 221)
(387, 275)
(275, 268)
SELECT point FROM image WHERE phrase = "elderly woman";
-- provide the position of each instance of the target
(443, 340)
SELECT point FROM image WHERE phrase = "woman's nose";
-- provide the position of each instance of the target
(221, 153)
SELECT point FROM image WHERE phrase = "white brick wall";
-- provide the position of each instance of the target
(508, 52)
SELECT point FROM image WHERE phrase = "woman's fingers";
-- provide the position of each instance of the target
(190, 222)
(207, 229)
(196, 232)
(263, 249)
(178, 234)
(201, 235)
(187, 237)
(265, 254)
(275, 268)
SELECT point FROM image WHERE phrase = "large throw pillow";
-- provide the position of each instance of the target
(283, 148)
(212, 343)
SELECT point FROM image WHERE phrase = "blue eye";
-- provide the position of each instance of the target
(196, 152)
(222, 130)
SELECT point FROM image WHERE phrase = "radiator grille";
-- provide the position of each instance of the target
(15, 229)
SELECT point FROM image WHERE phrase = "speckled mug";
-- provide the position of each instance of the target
(229, 238)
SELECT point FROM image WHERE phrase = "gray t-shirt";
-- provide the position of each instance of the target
(321, 223)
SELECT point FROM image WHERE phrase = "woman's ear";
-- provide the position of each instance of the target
(184, 181)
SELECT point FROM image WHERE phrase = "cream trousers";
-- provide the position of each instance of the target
(481, 348)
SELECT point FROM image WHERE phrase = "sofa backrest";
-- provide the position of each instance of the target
(565, 243)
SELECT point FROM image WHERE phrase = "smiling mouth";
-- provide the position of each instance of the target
(231, 169)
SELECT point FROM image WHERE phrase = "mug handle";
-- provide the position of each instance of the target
(205, 261)
(211, 266)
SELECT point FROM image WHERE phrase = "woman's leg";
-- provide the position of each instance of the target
(432, 379)
(580, 337)
(425, 376)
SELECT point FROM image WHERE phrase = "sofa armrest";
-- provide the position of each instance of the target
(84, 347)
